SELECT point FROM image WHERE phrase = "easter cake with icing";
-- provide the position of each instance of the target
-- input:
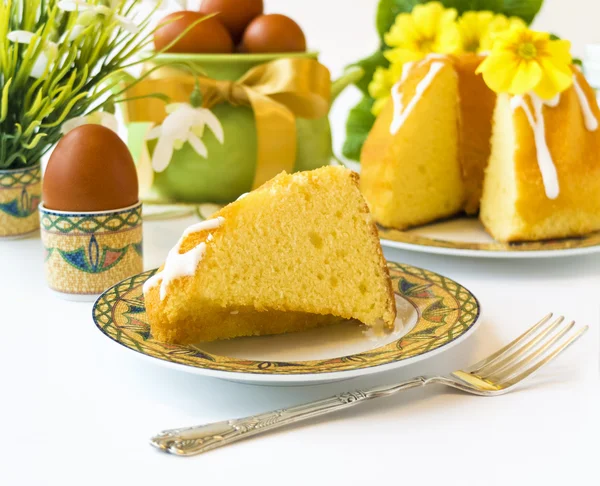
(446, 143)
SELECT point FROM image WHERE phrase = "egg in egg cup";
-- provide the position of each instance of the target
(90, 216)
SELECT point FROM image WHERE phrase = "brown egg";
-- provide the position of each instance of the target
(234, 14)
(208, 36)
(273, 33)
(90, 169)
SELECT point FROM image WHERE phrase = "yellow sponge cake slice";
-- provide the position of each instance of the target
(410, 164)
(299, 252)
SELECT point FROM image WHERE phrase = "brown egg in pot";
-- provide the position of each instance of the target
(273, 33)
(235, 15)
(208, 36)
(90, 169)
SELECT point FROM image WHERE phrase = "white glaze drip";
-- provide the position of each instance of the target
(553, 102)
(396, 95)
(398, 107)
(538, 125)
(591, 122)
(406, 69)
(179, 265)
(400, 113)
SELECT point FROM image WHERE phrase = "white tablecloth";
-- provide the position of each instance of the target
(77, 409)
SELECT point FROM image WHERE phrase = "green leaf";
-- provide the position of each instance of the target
(4, 102)
(368, 65)
(159, 96)
(389, 9)
(35, 141)
(359, 123)
(351, 76)
(36, 105)
(526, 9)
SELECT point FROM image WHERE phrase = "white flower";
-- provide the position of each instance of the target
(88, 13)
(47, 56)
(184, 123)
(83, 20)
(103, 118)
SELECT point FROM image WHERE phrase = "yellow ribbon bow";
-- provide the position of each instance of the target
(277, 91)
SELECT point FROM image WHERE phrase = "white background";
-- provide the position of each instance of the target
(77, 409)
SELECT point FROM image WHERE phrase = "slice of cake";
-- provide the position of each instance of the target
(543, 179)
(299, 252)
(410, 168)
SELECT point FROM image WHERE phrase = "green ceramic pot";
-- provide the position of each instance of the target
(229, 169)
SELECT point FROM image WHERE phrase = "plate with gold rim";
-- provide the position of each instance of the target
(465, 236)
(434, 314)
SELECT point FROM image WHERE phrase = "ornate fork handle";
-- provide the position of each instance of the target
(189, 441)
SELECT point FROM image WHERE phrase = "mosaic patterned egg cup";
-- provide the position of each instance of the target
(20, 191)
(87, 252)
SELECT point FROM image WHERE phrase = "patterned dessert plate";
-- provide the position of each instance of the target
(467, 237)
(434, 313)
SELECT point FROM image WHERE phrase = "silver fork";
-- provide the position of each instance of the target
(495, 375)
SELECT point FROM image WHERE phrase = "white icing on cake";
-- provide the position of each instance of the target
(538, 125)
(591, 122)
(396, 94)
(553, 102)
(406, 69)
(179, 265)
(537, 122)
(242, 196)
(400, 113)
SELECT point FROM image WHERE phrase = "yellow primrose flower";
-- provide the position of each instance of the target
(523, 60)
(381, 85)
(379, 104)
(429, 28)
(499, 24)
(478, 29)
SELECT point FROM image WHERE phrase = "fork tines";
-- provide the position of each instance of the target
(533, 349)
